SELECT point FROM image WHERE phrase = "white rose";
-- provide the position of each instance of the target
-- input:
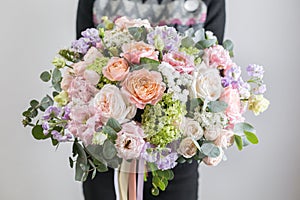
(212, 133)
(225, 139)
(214, 161)
(187, 147)
(206, 84)
(192, 129)
(111, 103)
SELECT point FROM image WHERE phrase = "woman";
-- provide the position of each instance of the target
(182, 14)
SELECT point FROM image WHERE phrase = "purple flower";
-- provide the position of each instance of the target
(234, 72)
(51, 112)
(92, 36)
(167, 160)
(255, 71)
(81, 45)
(260, 89)
(168, 35)
(61, 138)
(45, 126)
(148, 153)
(66, 115)
(225, 82)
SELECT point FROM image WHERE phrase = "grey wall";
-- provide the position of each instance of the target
(264, 32)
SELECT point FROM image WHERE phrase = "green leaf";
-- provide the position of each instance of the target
(101, 167)
(187, 42)
(46, 102)
(251, 137)
(217, 106)
(203, 44)
(109, 150)
(181, 160)
(82, 158)
(195, 103)
(138, 33)
(114, 124)
(210, 150)
(111, 133)
(54, 141)
(57, 86)
(69, 55)
(34, 103)
(155, 191)
(228, 45)
(149, 64)
(239, 141)
(159, 183)
(38, 134)
(56, 76)
(54, 94)
(45, 76)
(240, 128)
(94, 173)
(96, 152)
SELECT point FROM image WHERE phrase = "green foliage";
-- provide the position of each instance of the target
(45, 103)
(203, 44)
(187, 42)
(82, 167)
(251, 137)
(109, 150)
(228, 45)
(149, 64)
(114, 124)
(217, 106)
(69, 55)
(138, 33)
(38, 134)
(238, 141)
(45, 76)
(210, 150)
(160, 180)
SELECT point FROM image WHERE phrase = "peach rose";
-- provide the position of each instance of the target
(136, 50)
(234, 109)
(143, 87)
(225, 139)
(116, 69)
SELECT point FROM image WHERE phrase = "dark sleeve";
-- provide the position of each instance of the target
(215, 20)
(84, 18)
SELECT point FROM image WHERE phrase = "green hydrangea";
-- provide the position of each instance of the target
(98, 64)
(190, 50)
(161, 122)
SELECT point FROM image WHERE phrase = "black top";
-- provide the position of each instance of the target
(215, 20)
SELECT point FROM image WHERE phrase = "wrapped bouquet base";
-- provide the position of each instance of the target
(135, 97)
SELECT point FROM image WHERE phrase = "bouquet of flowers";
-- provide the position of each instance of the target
(128, 94)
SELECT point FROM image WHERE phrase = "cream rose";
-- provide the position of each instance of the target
(225, 139)
(187, 147)
(258, 104)
(111, 103)
(192, 129)
(206, 84)
(212, 133)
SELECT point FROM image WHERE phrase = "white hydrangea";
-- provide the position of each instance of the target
(116, 38)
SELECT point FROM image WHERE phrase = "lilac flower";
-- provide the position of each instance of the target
(66, 115)
(81, 45)
(167, 160)
(168, 35)
(51, 112)
(255, 71)
(260, 89)
(148, 153)
(226, 81)
(92, 35)
(61, 138)
(45, 126)
(234, 73)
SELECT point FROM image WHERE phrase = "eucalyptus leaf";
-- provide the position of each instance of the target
(181, 160)
(187, 42)
(195, 103)
(34, 103)
(240, 128)
(94, 173)
(217, 106)
(114, 124)
(38, 134)
(46, 102)
(82, 158)
(203, 44)
(251, 137)
(71, 162)
(210, 150)
(57, 86)
(109, 150)
(239, 142)
(56, 76)
(96, 152)
(45, 76)
(228, 45)
(79, 173)
(112, 134)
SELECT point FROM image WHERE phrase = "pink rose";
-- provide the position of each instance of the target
(81, 89)
(136, 50)
(91, 76)
(79, 68)
(180, 61)
(124, 23)
(234, 109)
(143, 87)
(217, 57)
(116, 69)
(66, 80)
(130, 141)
